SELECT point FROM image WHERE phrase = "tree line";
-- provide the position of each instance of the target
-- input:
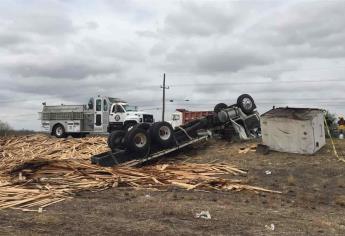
(6, 129)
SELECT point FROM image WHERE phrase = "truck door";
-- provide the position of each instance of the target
(105, 115)
(98, 115)
(118, 114)
(176, 120)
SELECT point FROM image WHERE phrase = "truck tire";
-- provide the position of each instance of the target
(138, 141)
(116, 140)
(59, 131)
(162, 134)
(246, 103)
(219, 107)
(144, 126)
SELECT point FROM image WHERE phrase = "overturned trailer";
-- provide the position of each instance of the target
(145, 142)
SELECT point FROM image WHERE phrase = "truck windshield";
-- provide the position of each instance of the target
(130, 108)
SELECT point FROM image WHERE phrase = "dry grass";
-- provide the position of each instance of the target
(176, 210)
(47, 219)
(340, 182)
(291, 181)
(340, 200)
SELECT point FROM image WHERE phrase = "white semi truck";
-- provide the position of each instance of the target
(101, 115)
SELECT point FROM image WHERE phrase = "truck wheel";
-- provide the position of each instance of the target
(219, 107)
(162, 134)
(144, 126)
(137, 140)
(116, 140)
(59, 131)
(246, 103)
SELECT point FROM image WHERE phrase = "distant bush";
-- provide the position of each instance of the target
(6, 130)
(331, 120)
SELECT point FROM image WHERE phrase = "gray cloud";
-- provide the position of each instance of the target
(230, 61)
(43, 24)
(92, 25)
(201, 19)
(313, 29)
(10, 38)
(69, 68)
(38, 18)
(66, 51)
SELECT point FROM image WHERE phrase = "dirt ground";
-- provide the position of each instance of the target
(312, 202)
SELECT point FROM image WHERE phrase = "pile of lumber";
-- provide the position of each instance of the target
(50, 174)
(16, 150)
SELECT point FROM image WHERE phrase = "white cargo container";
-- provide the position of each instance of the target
(294, 130)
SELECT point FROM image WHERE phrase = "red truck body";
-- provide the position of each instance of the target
(188, 116)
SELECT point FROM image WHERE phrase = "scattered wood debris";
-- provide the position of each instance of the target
(245, 150)
(37, 171)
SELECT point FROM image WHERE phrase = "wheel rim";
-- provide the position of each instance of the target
(140, 140)
(59, 131)
(164, 133)
(247, 103)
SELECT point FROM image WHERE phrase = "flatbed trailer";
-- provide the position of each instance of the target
(120, 157)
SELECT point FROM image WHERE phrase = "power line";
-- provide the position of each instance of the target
(257, 82)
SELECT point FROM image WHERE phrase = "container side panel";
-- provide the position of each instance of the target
(287, 135)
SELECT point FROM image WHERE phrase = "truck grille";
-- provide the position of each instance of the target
(148, 118)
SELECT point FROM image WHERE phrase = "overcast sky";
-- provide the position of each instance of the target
(281, 52)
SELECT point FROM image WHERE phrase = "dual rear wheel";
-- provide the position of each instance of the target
(139, 138)
(59, 132)
(245, 102)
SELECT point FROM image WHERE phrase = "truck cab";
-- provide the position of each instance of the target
(122, 116)
(114, 114)
(176, 119)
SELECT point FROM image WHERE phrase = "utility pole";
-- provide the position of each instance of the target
(164, 88)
